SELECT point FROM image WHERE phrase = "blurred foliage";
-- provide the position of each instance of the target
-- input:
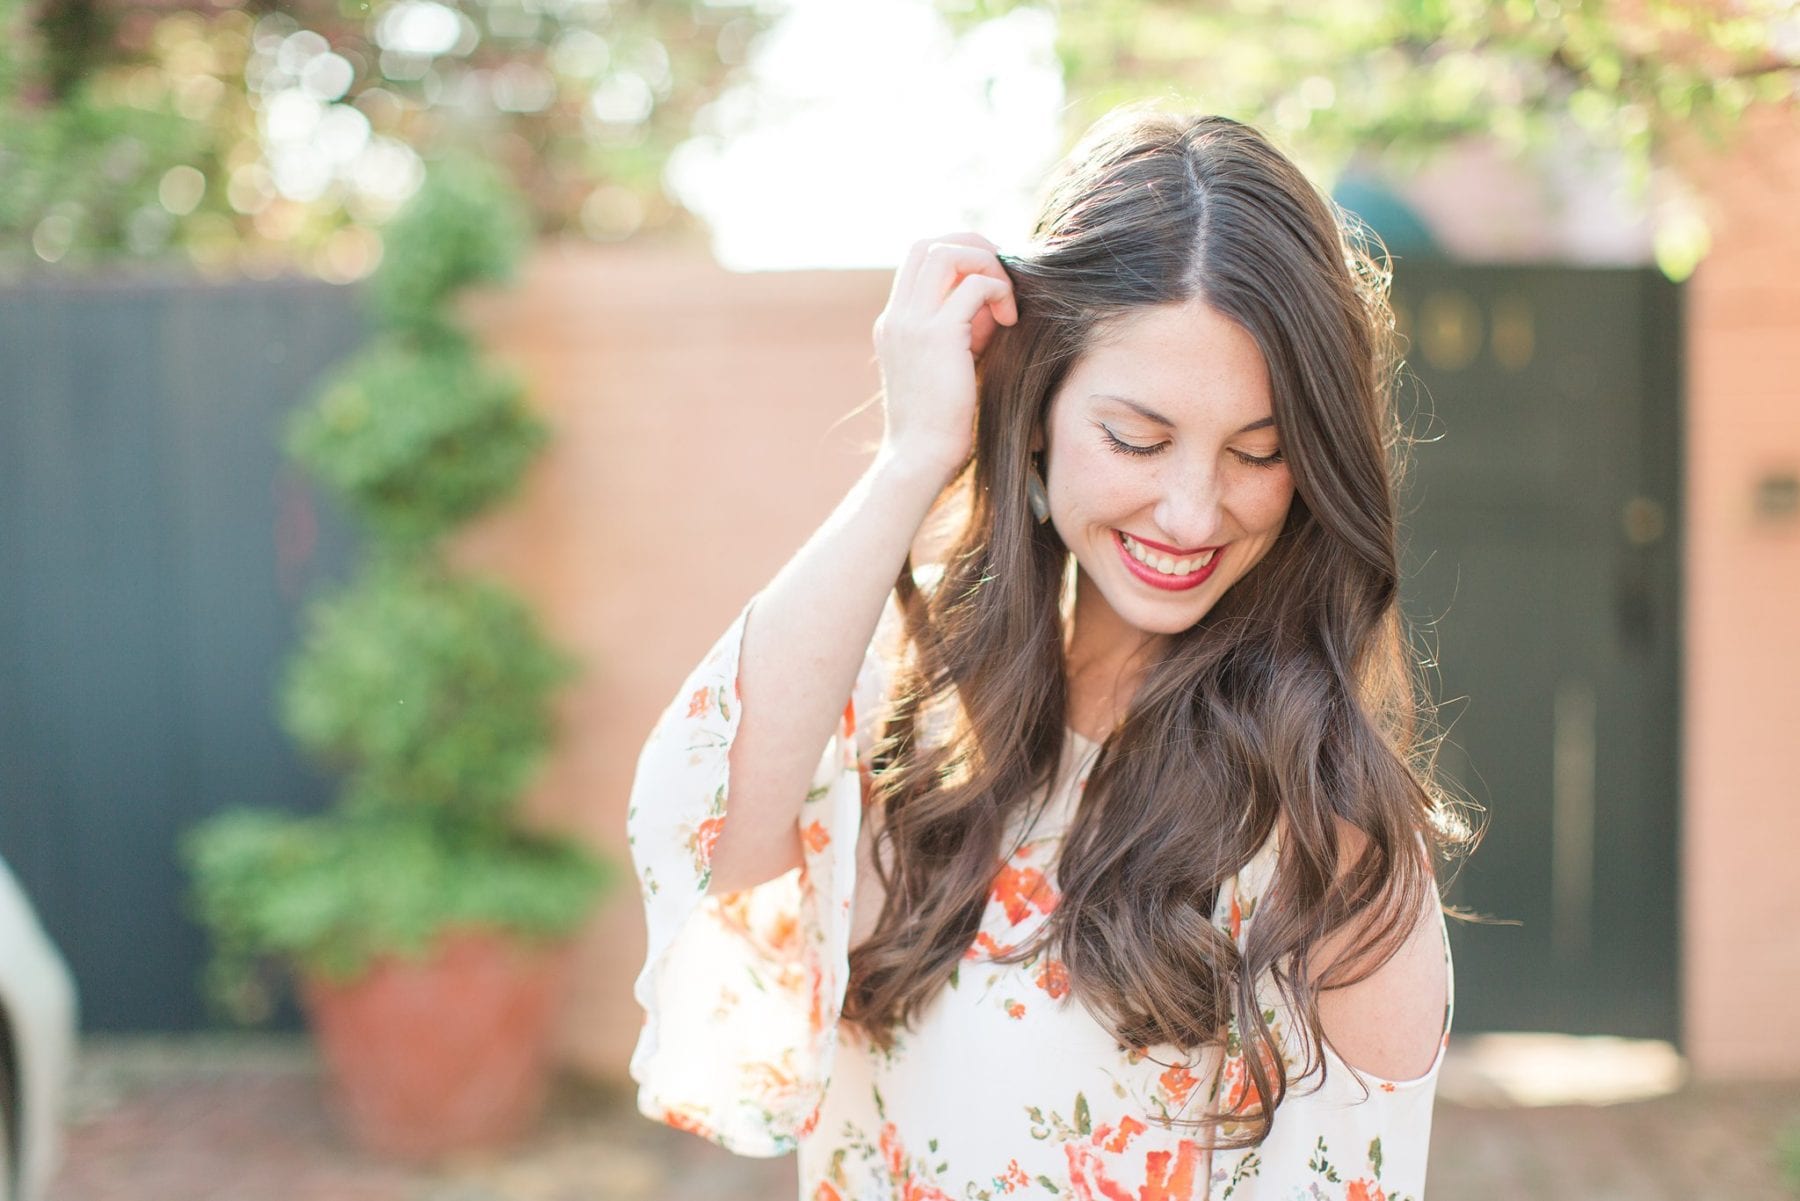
(1389, 82)
(423, 690)
(429, 693)
(416, 437)
(1410, 75)
(252, 138)
(331, 894)
(244, 136)
(465, 227)
(416, 433)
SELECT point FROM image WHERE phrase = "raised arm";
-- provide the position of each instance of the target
(804, 640)
(807, 631)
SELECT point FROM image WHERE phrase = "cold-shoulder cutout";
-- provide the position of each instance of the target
(1392, 1026)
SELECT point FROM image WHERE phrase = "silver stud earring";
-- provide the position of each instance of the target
(1035, 493)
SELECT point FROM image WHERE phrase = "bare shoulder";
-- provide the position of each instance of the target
(1391, 1022)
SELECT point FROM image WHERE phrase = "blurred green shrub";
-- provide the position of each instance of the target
(331, 894)
(416, 437)
(465, 227)
(424, 690)
(428, 692)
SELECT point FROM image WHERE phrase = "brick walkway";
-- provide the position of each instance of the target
(239, 1118)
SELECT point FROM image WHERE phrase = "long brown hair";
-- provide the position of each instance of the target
(1293, 697)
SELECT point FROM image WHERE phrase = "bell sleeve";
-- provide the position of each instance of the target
(742, 992)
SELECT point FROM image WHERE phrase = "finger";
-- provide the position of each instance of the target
(944, 263)
(973, 294)
(909, 269)
(908, 272)
(981, 329)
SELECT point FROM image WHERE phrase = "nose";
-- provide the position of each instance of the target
(1189, 513)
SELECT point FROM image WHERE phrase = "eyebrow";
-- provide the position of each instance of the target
(1153, 415)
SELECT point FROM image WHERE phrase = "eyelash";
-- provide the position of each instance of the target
(1130, 448)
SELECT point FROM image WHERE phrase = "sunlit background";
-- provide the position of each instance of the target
(806, 133)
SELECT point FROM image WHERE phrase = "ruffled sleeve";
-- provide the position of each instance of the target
(741, 993)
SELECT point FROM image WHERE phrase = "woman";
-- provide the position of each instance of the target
(1114, 878)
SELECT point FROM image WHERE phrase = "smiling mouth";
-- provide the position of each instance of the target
(1182, 573)
(1174, 566)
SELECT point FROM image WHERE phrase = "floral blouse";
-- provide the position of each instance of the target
(1005, 1088)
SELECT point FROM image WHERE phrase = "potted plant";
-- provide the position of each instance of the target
(427, 927)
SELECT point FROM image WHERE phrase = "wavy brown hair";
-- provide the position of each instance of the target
(1294, 696)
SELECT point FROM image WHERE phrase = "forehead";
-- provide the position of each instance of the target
(1186, 361)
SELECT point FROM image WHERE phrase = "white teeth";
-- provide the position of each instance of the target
(1164, 563)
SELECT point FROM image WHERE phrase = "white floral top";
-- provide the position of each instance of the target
(1006, 1088)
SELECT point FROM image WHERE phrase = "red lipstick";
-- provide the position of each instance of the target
(1155, 578)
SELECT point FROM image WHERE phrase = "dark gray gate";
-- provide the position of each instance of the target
(1543, 569)
(155, 550)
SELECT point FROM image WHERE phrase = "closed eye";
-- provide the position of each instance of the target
(1129, 448)
(1132, 448)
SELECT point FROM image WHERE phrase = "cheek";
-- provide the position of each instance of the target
(1092, 481)
(1260, 506)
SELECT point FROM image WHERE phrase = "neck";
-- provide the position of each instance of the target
(1105, 655)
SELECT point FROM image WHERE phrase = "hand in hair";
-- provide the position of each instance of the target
(948, 300)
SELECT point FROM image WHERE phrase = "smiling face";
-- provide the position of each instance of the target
(1162, 446)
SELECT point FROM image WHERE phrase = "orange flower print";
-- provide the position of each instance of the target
(985, 942)
(691, 1123)
(706, 835)
(773, 1086)
(849, 723)
(699, 702)
(1237, 916)
(825, 1192)
(909, 1187)
(918, 1190)
(1015, 1009)
(776, 934)
(1053, 978)
(810, 1124)
(892, 1151)
(1240, 1090)
(782, 934)
(1241, 1095)
(815, 1009)
(1129, 1128)
(1014, 1177)
(1020, 889)
(816, 836)
(1090, 1180)
(1177, 1083)
(1364, 1190)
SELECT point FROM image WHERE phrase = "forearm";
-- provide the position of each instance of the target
(803, 644)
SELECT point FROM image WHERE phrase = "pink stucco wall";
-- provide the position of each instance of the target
(1741, 685)
(693, 453)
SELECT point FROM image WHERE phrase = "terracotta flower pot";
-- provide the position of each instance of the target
(447, 1054)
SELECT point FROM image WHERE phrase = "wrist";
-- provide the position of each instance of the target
(913, 468)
